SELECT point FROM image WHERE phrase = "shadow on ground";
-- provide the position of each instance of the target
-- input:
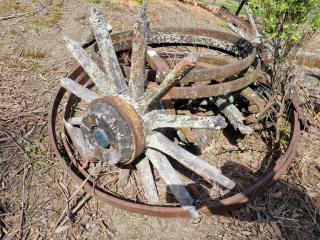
(286, 208)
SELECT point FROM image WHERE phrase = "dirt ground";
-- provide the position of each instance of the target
(33, 188)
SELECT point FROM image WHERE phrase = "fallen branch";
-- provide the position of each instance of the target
(19, 15)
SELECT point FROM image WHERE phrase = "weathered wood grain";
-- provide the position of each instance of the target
(78, 90)
(171, 79)
(157, 120)
(146, 176)
(163, 144)
(139, 48)
(169, 175)
(115, 78)
(91, 68)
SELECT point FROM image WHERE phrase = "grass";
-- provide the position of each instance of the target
(56, 15)
(97, 1)
(33, 54)
(139, 1)
(52, 19)
(36, 151)
(221, 23)
(24, 65)
(10, 6)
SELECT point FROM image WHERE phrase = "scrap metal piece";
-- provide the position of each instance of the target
(203, 91)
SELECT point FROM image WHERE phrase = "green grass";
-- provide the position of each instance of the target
(52, 19)
(34, 54)
(45, 158)
(7, 6)
(24, 65)
(221, 23)
(97, 1)
(56, 15)
(139, 1)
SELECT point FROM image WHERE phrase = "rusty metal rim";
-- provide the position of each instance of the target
(219, 72)
(207, 208)
(203, 91)
(123, 40)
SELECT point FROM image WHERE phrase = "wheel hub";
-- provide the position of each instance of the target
(113, 130)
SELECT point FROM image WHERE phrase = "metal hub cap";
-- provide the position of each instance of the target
(113, 130)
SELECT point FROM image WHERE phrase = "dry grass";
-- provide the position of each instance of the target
(33, 189)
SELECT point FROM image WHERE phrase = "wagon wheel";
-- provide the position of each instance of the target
(124, 121)
(122, 124)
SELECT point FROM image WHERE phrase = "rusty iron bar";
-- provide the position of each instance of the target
(213, 90)
(208, 208)
(221, 12)
(242, 3)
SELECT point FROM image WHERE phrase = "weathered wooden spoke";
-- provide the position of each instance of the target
(139, 48)
(169, 175)
(114, 76)
(170, 80)
(159, 120)
(147, 179)
(163, 144)
(78, 90)
(91, 68)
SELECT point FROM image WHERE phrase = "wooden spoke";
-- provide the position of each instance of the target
(78, 140)
(78, 90)
(158, 120)
(124, 177)
(169, 175)
(139, 48)
(160, 142)
(232, 113)
(91, 68)
(115, 80)
(76, 121)
(171, 79)
(146, 176)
